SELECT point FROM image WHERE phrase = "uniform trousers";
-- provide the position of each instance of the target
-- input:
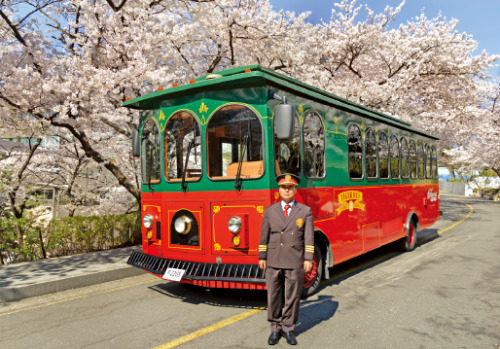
(289, 282)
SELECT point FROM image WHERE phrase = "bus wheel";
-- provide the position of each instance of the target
(313, 278)
(409, 242)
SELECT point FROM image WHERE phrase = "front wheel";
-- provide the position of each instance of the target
(313, 278)
(409, 242)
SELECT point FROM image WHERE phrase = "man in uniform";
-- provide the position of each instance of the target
(286, 252)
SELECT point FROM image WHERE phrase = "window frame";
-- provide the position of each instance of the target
(165, 150)
(207, 148)
(406, 157)
(157, 125)
(314, 113)
(360, 139)
(379, 156)
(395, 138)
(369, 130)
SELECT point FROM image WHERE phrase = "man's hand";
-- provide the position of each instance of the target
(308, 266)
(262, 264)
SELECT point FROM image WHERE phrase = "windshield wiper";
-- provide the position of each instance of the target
(244, 146)
(150, 169)
(190, 146)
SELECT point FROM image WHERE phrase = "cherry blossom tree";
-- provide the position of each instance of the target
(70, 64)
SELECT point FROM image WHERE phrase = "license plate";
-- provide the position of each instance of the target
(173, 274)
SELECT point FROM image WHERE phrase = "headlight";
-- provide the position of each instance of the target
(183, 225)
(234, 224)
(147, 221)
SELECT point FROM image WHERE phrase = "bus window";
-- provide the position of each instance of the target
(405, 159)
(370, 154)
(150, 153)
(394, 157)
(182, 141)
(234, 143)
(434, 163)
(314, 146)
(428, 162)
(355, 152)
(383, 156)
(287, 152)
(420, 160)
(413, 160)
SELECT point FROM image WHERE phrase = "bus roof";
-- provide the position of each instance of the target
(255, 73)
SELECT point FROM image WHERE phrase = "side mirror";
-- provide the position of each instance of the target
(136, 144)
(283, 120)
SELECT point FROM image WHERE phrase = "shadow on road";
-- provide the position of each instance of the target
(245, 299)
(315, 311)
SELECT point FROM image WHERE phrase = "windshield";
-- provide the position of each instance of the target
(234, 144)
(182, 148)
(150, 153)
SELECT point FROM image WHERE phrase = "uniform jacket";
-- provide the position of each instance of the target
(286, 242)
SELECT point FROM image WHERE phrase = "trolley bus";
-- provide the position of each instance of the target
(210, 151)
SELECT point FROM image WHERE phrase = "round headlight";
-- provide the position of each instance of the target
(182, 225)
(234, 224)
(147, 221)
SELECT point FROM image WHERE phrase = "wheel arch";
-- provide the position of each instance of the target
(323, 243)
(412, 218)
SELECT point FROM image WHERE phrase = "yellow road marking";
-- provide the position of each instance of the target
(77, 297)
(209, 329)
(451, 226)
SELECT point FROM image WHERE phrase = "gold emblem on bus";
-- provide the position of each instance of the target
(350, 200)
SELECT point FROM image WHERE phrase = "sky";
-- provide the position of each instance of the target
(479, 18)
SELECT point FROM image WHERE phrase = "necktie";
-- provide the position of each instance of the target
(286, 210)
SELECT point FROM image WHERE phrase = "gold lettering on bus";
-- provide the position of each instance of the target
(350, 200)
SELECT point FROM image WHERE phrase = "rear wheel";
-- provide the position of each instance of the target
(313, 278)
(409, 242)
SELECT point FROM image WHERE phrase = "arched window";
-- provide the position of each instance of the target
(405, 159)
(420, 159)
(434, 162)
(314, 145)
(355, 152)
(234, 144)
(394, 157)
(182, 141)
(150, 153)
(383, 156)
(370, 154)
(413, 159)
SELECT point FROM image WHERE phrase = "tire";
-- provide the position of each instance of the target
(313, 278)
(409, 242)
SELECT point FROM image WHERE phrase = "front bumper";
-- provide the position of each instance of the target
(199, 271)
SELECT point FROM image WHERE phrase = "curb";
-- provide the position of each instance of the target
(18, 293)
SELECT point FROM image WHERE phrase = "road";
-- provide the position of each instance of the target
(445, 294)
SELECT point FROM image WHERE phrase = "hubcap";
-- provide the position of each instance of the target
(411, 235)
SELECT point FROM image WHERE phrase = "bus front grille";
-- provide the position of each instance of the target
(197, 270)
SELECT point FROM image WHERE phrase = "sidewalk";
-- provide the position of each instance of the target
(30, 279)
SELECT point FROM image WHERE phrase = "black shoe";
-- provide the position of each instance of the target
(274, 338)
(290, 338)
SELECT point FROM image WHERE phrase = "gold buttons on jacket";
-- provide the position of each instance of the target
(281, 233)
(281, 244)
